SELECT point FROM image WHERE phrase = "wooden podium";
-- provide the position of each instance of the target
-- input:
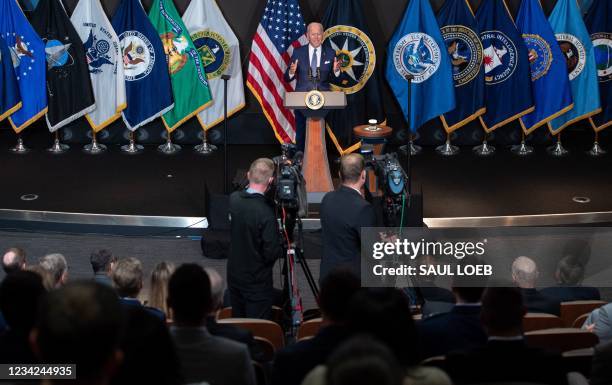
(316, 165)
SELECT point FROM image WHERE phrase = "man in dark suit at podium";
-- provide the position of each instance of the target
(343, 213)
(312, 66)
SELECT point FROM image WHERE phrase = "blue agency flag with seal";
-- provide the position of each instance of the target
(461, 35)
(507, 78)
(599, 24)
(10, 101)
(417, 49)
(550, 85)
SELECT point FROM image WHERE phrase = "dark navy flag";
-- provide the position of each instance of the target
(10, 101)
(418, 49)
(461, 35)
(28, 56)
(552, 94)
(69, 91)
(507, 74)
(599, 23)
(147, 80)
(348, 35)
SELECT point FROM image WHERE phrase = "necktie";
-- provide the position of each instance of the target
(313, 63)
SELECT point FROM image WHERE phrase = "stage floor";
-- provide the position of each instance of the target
(152, 184)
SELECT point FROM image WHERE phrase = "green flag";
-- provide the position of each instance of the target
(189, 85)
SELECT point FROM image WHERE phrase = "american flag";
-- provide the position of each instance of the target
(280, 31)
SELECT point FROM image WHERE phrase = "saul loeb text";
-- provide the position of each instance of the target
(437, 270)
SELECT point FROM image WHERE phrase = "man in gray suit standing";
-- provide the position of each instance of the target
(203, 357)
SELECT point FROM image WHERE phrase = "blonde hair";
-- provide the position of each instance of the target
(158, 292)
(261, 171)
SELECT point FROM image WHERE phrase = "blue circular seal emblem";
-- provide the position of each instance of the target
(540, 55)
(138, 55)
(214, 52)
(465, 51)
(602, 46)
(500, 56)
(356, 55)
(416, 54)
(57, 54)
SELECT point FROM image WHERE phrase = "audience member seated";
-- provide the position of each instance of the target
(525, 274)
(601, 370)
(55, 264)
(149, 353)
(458, 329)
(102, 263)
(569, 276)
(47, 279)
(20, 293)
(203, 357)
(431, 298)
(13, 259)
(600, 323)
(506, 357)
(293, 362)
(158, 290)
(127, 280)
(81, 323)
(217, 289)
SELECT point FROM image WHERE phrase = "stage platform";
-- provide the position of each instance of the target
(152, 193)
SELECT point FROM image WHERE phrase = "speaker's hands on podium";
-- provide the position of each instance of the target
(293, 68)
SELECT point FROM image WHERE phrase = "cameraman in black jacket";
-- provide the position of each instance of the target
(255, 245)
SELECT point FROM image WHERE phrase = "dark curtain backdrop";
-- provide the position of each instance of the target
(250, 126)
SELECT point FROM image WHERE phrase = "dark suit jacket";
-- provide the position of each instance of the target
(536, 302)
(293, 362)
(456, 330)
(255, 242)
(601, 370)
(572, 293)
(234, 333)
(343, 213)
(301, 74)
(135, 302)
(505, 361)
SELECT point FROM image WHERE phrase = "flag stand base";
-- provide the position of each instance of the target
(557, 150)
(58, 148)
(132, 148)
(484, 149)
(94, 148)
(447, 149)
(169, 148)
(596, 150)
(205, 148)
(19, 147)
(522, 149)
(415, 149)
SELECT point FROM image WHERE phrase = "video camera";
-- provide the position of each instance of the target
(393, 183)
(289, 186)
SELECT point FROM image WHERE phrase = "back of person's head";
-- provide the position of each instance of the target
(81, 323)
(56, 265)
(337, 289)
(569, 273)
(189, 294)
(217, 288)
(261, 171)
(351, 167)
(158, 291)
(524, 272)
(149, 354)
(469, 288)
(45, 276)
(127, 277)
(363, 360)
(101, 261)
(385, 314)
(502, 311)
(20, 293)
(13, 259)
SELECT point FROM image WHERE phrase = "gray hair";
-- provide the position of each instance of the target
(524, 272)
(56, 265)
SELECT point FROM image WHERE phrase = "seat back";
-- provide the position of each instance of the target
(578, 322)
(309, 328)
(561, 339)
(538, 321)
(260, 328)
(574, 309)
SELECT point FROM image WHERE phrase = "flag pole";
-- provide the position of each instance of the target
(409, 149)
(57, 147)
(19, 147)
(132, 148)
(225, 78)
(596, 150)
(94, 147)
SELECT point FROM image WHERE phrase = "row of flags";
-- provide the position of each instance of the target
(135, 66)
(487, 66)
